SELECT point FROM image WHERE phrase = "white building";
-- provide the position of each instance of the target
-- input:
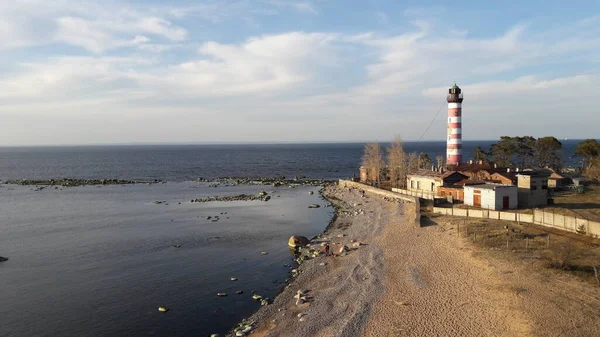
(491, 196)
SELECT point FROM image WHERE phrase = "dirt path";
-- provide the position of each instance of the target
(435, 288)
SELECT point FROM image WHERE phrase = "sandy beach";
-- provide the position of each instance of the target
(411, 280)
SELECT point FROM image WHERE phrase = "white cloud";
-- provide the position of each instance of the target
(305, 7)
(262, 65)
(93, 26)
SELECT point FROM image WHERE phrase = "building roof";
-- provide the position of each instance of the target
(489, 186)
(475, 167)
(468, 182)
(433, 174)
(507, 175)
(534, 173)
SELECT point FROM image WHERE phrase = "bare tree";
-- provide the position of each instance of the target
(439, 161)
(397, 163)
(593, 169)
(412, 162)
(373, 162)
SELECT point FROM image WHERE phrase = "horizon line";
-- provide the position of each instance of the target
(241, 143)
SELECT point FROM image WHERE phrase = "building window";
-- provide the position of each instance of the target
(544, 187)
(412, 184)
(418, 185)
(533, 188)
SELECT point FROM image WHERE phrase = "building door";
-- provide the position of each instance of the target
(477, 200)
(505, 202)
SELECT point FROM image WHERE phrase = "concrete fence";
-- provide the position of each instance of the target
(539, 217)
(416, 193)
(384, 193)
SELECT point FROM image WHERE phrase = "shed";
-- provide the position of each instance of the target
(491, 196)
(429, 181)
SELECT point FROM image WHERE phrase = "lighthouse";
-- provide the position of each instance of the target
(454, 140)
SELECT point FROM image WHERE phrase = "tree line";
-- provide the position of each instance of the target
(391, 166)
(523, 152)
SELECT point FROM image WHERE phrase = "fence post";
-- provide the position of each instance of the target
(507, 243)
(548, 241)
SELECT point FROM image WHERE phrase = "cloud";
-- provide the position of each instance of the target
(177, 62)
(305, 7)
(92, 26)
(263, 65)
(382, 17)
(302, 7)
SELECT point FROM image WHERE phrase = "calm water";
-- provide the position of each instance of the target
(188, 162)
(89, 261)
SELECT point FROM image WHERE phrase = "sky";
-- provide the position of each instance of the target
(183, 71)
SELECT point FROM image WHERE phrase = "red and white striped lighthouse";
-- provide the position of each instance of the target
(454, 140)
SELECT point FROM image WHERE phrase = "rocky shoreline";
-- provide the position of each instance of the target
(273, 181)
(262, 196)
(78, 182)
(303, 254)
(223, 181)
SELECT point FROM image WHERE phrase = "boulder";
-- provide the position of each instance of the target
(298, 241)
(314, 206)
(343, 249)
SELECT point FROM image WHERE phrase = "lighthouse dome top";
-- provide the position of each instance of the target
(454, 94)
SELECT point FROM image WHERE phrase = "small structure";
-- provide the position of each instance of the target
(475, 170)
(505, 178)
(556, 180)
(533, 189)
(491, 196)
(429, 181)
(451, 193)
(456, 192)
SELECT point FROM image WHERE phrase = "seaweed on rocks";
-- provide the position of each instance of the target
(240, 197)
(70, 182)
(273, 181)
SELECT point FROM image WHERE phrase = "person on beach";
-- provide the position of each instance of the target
(326, 250)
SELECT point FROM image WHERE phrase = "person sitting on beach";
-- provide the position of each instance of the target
(326, 250)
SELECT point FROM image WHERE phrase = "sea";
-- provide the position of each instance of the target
(100, 260)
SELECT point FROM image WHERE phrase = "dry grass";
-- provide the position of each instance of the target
(529, 243)
(586, 205)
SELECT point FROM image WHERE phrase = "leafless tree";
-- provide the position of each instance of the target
(397, 163)
(412, 162)
(440, 161)
(593, 169)
(373, 162)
